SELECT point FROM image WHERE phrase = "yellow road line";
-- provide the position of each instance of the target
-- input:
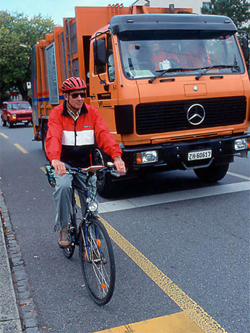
(21, 148)
(174, 323)
(190, 307)
(5, 136)
(77, 199)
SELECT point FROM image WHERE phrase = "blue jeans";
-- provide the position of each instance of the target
(63, 196)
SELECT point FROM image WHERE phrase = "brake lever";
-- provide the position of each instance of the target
(112, 170)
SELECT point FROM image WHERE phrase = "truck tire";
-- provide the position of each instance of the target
(44, 133)
(105, 186)
(213, 173)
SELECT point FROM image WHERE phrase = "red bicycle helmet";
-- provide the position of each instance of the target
(73, 83)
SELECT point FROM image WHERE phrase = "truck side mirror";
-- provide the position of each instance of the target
(245, 49)
(100, 55)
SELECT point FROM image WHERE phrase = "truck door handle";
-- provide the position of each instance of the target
(92, 96)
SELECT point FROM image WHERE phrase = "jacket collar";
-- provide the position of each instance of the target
(65, 113)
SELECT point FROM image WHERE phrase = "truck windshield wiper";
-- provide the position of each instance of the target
(208, 68)
(170, 70)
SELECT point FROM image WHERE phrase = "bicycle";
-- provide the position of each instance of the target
(95, 248)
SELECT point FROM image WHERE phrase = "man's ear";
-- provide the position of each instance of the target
(65, 96)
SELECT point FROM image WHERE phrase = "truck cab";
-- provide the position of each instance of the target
(174, 91)
(173, 88)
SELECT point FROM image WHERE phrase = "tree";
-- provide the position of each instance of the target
(18, 34)
(237, 10)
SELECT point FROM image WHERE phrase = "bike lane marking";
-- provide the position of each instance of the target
(237, 175)
(174, 323)
(196, 313)
(157, 199)
(5, 136)
(21, 148)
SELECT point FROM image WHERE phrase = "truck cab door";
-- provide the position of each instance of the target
(103, 78)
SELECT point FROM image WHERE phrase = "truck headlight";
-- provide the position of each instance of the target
(13, 116)
(240, 144)
(144, 157)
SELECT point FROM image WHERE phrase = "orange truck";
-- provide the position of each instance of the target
(172, 86)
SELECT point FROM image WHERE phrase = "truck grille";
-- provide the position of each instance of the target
(172, 116)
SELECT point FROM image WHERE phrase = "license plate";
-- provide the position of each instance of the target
(199, 155)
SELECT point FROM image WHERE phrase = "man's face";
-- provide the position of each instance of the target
(75, 98)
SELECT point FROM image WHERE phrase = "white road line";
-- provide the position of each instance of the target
(238, 176)
(156, 199)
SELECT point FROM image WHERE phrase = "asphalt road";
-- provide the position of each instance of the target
(195, 237)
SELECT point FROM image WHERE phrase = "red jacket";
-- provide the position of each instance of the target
(73, 142)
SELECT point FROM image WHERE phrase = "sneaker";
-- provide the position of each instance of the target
(63, 239)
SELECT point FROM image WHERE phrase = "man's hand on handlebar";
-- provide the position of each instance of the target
(119, 165)
(59, 167)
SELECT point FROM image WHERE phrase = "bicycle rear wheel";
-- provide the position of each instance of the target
(97, 261)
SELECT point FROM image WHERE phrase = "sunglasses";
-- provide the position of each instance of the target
(75, 95)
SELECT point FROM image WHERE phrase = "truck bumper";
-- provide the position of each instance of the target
(189, 154)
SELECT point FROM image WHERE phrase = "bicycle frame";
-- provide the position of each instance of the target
(82, 226)
(95, 248)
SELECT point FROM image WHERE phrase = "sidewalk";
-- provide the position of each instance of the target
(17, 309)
(9, 316)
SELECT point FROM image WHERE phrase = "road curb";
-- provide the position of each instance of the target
(22, 293)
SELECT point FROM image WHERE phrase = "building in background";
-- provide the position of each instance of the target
(195, 4)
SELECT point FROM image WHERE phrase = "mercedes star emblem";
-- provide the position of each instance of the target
(196, 114)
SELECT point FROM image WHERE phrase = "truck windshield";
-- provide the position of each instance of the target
(148, 54)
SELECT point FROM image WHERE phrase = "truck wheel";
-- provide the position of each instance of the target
(213, 173)
(44, 133)
(105, 186)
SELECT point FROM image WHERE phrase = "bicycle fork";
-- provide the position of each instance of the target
(91, 244)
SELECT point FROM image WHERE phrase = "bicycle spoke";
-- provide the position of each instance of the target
(98, 263)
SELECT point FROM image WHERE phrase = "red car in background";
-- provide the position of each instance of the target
(14, 112)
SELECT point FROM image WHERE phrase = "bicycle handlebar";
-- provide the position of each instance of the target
(88, 170)
(92, 169)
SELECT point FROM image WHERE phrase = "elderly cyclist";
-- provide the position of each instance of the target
(73, 128)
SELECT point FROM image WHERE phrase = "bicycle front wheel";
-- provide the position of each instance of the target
(97, 261)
